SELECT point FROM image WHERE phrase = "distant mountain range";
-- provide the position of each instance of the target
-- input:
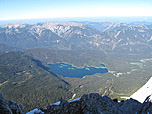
(113, 19)
(108, 37)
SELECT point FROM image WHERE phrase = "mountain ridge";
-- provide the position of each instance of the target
(108, 37)
(95, 104)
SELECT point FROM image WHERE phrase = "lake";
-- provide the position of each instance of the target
(68, 70)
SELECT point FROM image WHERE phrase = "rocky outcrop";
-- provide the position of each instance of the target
(96, 104)
(10, 107)
(87, 104)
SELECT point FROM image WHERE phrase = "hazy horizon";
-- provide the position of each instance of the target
(89, 19)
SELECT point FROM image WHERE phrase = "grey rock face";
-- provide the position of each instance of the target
(10, 107)
(96, 104)
(130, 106)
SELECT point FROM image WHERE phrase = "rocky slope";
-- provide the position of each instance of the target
(9, 106)
(96, 104)
(88, 104)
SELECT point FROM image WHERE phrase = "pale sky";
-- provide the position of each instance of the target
(30, 9)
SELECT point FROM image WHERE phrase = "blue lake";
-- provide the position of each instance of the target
(67, 70)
